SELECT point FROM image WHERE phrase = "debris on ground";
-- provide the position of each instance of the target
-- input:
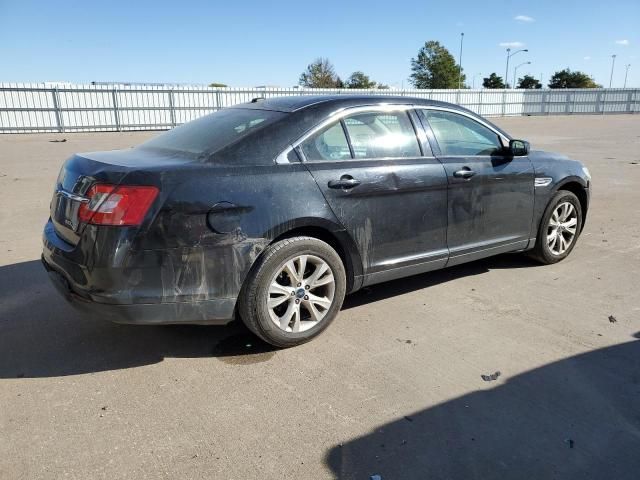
(58, 141)
(408, 418)
(612, 319)
(491, 377)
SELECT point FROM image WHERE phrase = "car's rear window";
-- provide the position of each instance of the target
(211, 133)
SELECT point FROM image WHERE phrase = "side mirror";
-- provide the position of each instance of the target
(519, 148)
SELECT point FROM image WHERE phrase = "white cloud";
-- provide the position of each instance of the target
(511, 44)
(524, 18)
(622, 42)
(587, 58)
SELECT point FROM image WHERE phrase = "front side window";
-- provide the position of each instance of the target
(382, 135)
(459, 135)
(329, 144)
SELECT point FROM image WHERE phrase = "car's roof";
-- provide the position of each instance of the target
(299, 102)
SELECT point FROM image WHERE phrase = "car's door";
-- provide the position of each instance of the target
(491, 193)
(385, 186)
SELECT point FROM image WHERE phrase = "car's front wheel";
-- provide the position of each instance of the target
(294, 291)
(559, 229)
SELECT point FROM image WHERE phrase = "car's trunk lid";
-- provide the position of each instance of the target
(83, 170)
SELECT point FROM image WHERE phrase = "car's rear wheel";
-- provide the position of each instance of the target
(559, 229)
(294, 291)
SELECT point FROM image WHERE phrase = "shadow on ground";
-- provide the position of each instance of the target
(577, 418)
(42, 336)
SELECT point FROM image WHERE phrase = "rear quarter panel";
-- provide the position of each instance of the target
(216, 221)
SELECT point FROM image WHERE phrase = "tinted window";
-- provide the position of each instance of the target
(328, 144)
(382, 134)
(460, 135)
(213, 132)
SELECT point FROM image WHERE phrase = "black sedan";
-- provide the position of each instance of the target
(272, 211)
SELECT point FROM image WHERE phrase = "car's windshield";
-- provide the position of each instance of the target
(213, 132)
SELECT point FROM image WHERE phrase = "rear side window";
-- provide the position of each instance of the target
(381, 135)
(213, 132)
(460, 135)
(329, 144)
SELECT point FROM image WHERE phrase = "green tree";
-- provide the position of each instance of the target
(435, 67)
(218, 85)
(568, 79)
(320, 74)
(493, 81)
(529, 81)
(360, 80)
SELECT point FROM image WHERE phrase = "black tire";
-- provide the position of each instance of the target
(252, 306)
(541, 252)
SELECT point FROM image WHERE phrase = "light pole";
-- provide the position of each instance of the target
(626, 73)
(509, 55)
(613, 63)
(460, 62)
(515, 72)
(473, 86)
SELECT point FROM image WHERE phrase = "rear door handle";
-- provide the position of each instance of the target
(345, 182)
(466, 172)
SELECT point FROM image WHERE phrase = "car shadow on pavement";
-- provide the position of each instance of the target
(577, 418)
(42, 336)
(393, 288)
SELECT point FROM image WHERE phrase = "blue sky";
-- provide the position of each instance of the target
(248, 43)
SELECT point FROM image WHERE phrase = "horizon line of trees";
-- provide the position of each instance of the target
(434, 67)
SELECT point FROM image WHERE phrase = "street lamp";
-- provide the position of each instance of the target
(509, 55)
(460, 62)
(479, 74)
(515, 72)
(626, 73)
(613, 63)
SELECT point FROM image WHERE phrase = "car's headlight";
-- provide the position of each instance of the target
(586, 172)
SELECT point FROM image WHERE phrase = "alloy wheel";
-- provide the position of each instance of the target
(300, 293)
(562, 228)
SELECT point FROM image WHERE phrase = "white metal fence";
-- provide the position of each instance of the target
(41, 107)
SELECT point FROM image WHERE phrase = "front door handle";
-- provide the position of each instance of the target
(466, 173)
(345, 182)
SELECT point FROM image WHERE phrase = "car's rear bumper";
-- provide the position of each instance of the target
(212, 312)
(124, 295)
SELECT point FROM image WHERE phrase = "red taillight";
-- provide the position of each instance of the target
(112, 205)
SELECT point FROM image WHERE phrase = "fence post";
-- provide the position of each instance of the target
(504, 101)
(56, 105)
(218, 100)
(116, 114)
(567, 103)
(172, 110)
